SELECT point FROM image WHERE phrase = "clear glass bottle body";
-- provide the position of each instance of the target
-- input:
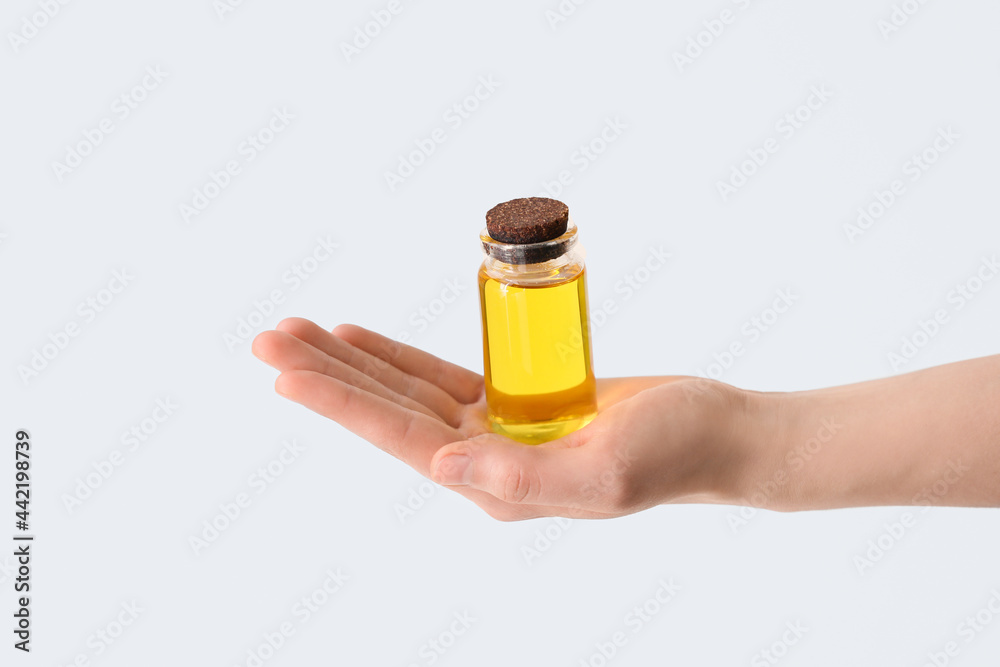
(537, 353)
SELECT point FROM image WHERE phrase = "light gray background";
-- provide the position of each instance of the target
(335, 506)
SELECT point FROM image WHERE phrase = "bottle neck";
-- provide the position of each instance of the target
(534, 264)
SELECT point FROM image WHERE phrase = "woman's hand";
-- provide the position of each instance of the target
(654, 440)
(931, 437)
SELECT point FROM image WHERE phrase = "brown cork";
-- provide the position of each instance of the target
(528, 220)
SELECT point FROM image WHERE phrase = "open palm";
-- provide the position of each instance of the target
(428, 413)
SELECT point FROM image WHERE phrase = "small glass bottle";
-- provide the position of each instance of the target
(537, 353)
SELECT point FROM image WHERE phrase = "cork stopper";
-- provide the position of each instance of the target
(527, 220)
(531, 230)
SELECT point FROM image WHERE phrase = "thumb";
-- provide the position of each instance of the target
(555, 473)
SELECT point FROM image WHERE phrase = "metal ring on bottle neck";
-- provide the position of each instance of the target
(529, 253)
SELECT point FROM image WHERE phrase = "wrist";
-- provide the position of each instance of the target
(796, 456)
(756, 444)
(733, 433)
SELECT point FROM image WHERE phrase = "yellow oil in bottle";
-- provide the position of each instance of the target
(537, 355)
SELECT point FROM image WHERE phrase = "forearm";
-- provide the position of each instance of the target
(931, 437)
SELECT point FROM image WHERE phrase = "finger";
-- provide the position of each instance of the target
(417, 444)
(461, 383)
(286, 352)
(410, 436)
(573, 476)
(400, 382)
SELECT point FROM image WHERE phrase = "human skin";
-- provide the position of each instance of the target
(928, 437)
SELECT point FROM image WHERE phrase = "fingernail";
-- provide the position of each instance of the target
(455, 469)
